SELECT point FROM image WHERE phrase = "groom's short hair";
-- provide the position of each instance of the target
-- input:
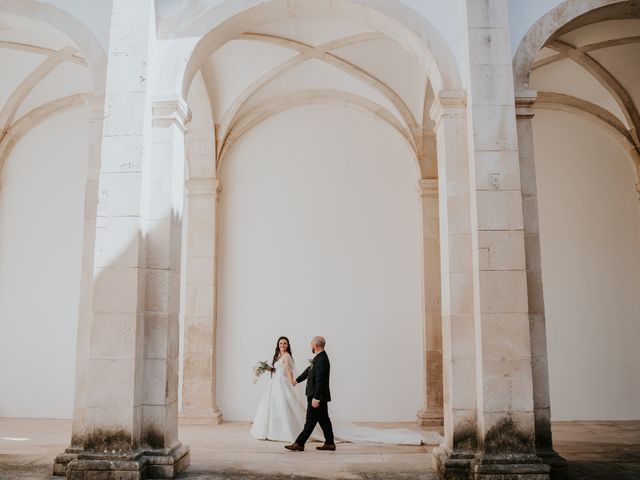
(320, 341)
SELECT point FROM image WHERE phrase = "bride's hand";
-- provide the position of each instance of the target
(293, 383)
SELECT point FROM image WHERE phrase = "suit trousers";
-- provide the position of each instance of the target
(314, 416)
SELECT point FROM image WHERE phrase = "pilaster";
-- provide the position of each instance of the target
(199, 372)
(524, 102)
(431, 413)
(452, 460)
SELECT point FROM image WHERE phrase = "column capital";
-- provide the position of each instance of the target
(427, 187)
(201, 187)
(524, 103)
(170, 110)
(448, 104)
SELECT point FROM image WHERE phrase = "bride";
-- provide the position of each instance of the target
(281, 412)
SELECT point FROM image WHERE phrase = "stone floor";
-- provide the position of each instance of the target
(595, 450)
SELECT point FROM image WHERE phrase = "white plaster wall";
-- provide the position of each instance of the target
(590, 229)
(41, 212)
(320, 235)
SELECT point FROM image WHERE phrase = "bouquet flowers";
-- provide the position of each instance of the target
(259, 369)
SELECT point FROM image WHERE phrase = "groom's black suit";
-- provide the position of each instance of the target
(317, 377)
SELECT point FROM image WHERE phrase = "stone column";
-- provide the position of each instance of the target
(431, 414)
(453, 458)
(111, 435)
(535, 291)
(504, 387)
(163, 183)
(199, 370)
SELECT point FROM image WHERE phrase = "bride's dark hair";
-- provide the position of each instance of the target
(277, 354)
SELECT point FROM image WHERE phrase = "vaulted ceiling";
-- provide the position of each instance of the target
(43, 74)
(313, 61)
(591, 67)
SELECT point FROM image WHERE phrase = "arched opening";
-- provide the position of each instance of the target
(259, 74)
(594, 177)
(585, 130)
(51, 66)
(319, 232)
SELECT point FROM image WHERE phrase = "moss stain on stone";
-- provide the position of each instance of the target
(465, 436)
(154, 438)
(505, 437)
(102, 439)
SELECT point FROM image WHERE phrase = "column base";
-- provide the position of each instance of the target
(510, 467)
(559, 466)
(430, 418)
(514, 471)
(214, 419)
(62, 460)
(451, 466)
(76, 464)
(465, 466)
(161, 465)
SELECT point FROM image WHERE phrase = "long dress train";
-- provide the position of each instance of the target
(282, 410)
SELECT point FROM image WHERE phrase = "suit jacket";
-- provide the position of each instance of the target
(317, 377)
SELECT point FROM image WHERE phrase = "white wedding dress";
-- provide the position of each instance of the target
(282, 411)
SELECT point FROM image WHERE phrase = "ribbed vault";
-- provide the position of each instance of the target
(304, 61)
(35, 58)
(590, 67)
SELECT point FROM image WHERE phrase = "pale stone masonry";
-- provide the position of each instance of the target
(171, 92)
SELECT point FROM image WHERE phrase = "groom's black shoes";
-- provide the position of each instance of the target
(328, 446)
(294, 447)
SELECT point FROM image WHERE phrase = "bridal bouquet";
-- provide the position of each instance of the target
(259, 369)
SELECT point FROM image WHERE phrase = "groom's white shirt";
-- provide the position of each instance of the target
(314, 356)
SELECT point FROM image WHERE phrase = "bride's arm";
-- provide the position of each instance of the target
(288, 367)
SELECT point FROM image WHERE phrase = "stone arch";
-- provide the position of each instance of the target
(205, 27)
(547, 31)
(85, 50)
(540, 32)
(311, 97)
(73, 29)
(574, 14)
(208, 27)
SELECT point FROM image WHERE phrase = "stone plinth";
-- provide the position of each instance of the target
(137, 465)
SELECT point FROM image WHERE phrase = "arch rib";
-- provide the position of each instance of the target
(321, 52)
(28, 84)
(607, 80)
(36, 116)
(272, 107)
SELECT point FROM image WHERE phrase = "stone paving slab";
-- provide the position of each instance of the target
(595, 451)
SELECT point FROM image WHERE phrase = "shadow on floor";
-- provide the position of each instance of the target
(592, 470)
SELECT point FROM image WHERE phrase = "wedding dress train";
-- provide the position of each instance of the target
(282, 410)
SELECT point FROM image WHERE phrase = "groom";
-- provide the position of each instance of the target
(318, 396)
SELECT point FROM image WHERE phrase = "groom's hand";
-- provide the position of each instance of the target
(293, 383)
(315, 403)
